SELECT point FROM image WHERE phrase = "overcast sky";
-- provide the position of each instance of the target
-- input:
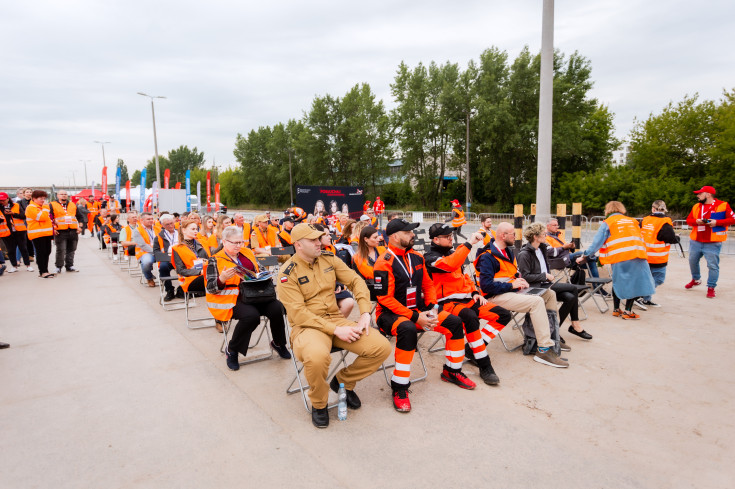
(71, 69)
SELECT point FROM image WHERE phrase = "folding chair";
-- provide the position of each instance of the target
(303, 386)
(596, 285)
(190, 301)
(419, 245)
(264, 329)
(384, 367)
(267, 261)
(282, 250)
(174, 305)
(114, 238)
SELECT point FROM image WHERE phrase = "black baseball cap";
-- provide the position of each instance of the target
(440, 229)
(397, 225)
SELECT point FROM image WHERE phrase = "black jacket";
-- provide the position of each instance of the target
(529, 266)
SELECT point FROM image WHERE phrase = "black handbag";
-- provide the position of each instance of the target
(257, 291)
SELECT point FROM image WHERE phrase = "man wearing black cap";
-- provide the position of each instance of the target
(709, 220)
(284, 235)
(409, 305)
(458, 295)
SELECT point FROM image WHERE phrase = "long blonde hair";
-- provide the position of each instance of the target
(220, 226)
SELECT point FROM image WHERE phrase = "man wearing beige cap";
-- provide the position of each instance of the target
(264, 236)
(306, 286)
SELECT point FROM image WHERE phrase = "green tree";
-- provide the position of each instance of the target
(135, 179)
(123, 171)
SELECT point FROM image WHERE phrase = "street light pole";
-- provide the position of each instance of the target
(467, 160)
(155, 138)
(543, 170)
(104, 163)
(290, 177)
(86, 182)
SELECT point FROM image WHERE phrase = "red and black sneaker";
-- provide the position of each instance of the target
(401, 401)
(457, 378)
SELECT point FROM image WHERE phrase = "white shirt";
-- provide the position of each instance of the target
(542, 262)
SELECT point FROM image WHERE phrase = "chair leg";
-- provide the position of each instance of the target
(247, 361)
(190, 301)
(384, 367)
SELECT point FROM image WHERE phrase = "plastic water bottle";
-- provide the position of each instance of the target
(342, 403)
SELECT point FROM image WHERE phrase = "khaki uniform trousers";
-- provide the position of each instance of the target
(535, 305)
(313, 348)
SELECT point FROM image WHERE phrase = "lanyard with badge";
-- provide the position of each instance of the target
(411, 289)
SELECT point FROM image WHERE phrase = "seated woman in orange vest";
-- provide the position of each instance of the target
(347, 229)
(109, 228)
(189, 257)
(368, 252)
(345, 301)
(225, 303)
(621, 245)
(215, 240)
(264, 237)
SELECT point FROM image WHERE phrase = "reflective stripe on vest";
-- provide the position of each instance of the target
(65, 218)
(507, 272)
(39, 222)
(459, 220)
(18, 224)
(220, 304)
(657, 251)
(625, 242)
(4, 230)
(718, 233)
(187, 257)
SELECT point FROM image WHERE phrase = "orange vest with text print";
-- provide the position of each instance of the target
(220, 304)
(656, 251)
(39, 221)
(65, 218)
(625, 242)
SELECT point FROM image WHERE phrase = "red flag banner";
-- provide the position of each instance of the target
(127, 195)
(104, 180)
(166, 177)
(216, 196)
(209, 192)
(178, 186)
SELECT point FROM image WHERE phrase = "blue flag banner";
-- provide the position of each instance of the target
(118, 175)
(188, 190)
(141, 201)
(199, 193)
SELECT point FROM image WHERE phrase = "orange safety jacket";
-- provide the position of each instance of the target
(718, 233)
(65, 218)
(18, 224)
(189, 259)
(458, 219)
(338, 226)
(554, 241)
(656, 251)
(39, 221)
(144, 233)
(270, 239)
(221, 304)
(128, 234)
(366, 268)
(450, 282)
(508, 270)
(285, 238)
(247, 231)
(204, 241)
(489, 236)
(625, 242)
(4, 229)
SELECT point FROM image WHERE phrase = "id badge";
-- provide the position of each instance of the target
(68, 220)
(411, 297)
(701, 228)
(198, 264)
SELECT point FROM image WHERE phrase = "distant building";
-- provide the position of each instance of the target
(620, 156)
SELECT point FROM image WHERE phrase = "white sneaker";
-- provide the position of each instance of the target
(58, 270)
(71, 269)
(11, 269)
(640, 304)
(30, 268)
(114, 258)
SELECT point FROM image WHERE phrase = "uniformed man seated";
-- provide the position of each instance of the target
(306, 288)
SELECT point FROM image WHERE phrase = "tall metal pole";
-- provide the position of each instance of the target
(290, 177)
(155, 143)
(86, 182)
(102, 143)
(543, 172)
(467, 160)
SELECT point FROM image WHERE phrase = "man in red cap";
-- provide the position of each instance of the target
(709, 220)
(458, 220)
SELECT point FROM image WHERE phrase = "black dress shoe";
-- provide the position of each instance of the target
(353, 402)
(169, 296)
(4, 345)
(179, 293)
(582, 334)
(320, 417)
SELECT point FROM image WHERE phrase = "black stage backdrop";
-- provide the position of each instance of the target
(332, 199)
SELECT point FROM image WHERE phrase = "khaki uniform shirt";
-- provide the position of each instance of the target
(307, 292)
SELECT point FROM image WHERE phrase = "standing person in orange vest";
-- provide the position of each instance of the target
(66, 220)
(14, 232)
(40, 230)
(709, 220)
(658, 233)
(620, 244)
(458, 220)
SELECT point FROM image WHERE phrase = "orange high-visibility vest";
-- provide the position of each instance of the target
(18, 224)
(625, 242)
(365, 268)
(489, 236)
(454, 285)
(128, 234)
(204, 241)
(285, 237)
(220, 304)
(39, 221)
(4, 229)
(268, 240)
(459, 220)
(507, 272)
(718, 233)
(188, 257)
(247, 230)
(143, 232)
(656, 251)
(65, 218)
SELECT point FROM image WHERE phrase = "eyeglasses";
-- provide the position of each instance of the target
(446, 236)
(238, 243)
